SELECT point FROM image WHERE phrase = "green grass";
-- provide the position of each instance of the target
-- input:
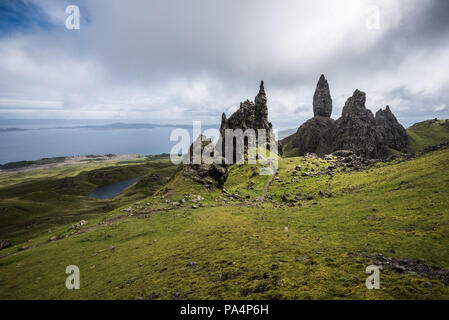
(234, 250)
(34, 201)
(427, 133)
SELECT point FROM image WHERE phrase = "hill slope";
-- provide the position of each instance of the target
(428, 133)
(311, 238)
(36, 201)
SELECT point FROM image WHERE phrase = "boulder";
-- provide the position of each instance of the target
(210, 175)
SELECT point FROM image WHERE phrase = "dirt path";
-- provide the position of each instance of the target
(174, 185)
(267, 185)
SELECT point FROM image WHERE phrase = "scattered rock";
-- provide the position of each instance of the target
(4, 244)
(407, 266)
(79, 224)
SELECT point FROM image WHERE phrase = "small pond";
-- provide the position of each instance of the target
(111, 190)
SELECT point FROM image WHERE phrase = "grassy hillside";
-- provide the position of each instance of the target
(33, 201)
(315, 243)
(427, 133)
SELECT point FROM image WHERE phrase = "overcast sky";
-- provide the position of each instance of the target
(176, 61)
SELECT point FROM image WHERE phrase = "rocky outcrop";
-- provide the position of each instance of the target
(322, 101)
(392, 133)
(356, 129)
(250, 115)
(211, 176)
(314, 136)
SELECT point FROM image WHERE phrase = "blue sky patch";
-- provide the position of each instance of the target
(19, 16)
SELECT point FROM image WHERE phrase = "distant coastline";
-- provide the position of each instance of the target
(112, 126)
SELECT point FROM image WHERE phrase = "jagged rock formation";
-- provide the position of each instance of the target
(315, 135)
(356, 130)
(250, 115)
(322, 101)
(392, 133)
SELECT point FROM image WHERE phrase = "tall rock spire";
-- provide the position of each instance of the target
(322, 101)
(261, 98)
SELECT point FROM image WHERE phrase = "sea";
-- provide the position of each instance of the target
(37, 139)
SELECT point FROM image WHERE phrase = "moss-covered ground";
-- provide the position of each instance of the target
(223, 248)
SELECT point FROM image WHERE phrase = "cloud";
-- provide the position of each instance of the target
(180, 61)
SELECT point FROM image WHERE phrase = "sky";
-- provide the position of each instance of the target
(171, 61)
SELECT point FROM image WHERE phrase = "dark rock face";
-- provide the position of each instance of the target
(314, 136)
(322, 101)
(250, 115)
(211, 176)
(356, 130)
(392, 133)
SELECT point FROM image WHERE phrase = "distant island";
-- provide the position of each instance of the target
(117, 125)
